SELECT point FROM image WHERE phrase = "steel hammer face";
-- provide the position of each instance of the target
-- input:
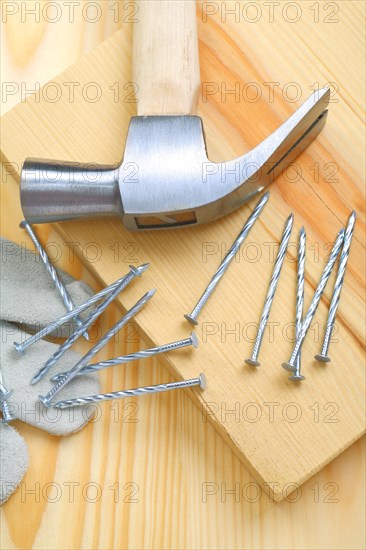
(165, 179)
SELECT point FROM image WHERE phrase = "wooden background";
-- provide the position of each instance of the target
(171, 453)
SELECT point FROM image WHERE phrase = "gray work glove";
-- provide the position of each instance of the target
(29, 299)
(13, 460)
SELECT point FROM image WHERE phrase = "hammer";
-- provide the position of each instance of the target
(165, 179)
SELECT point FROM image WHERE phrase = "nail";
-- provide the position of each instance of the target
(290, 365)
(7, 415)
(296, 376)
(66, 298)
(323, 356)
(4, 392)
(135, 272)
(89, 369)
(192, 317)
(253, 361)
(21, 347)
(78, 401)
(46, 399)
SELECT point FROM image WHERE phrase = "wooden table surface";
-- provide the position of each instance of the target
(173, 491)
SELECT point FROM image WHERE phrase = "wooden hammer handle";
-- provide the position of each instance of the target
(165, 57)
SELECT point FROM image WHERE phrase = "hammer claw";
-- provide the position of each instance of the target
(299, 146)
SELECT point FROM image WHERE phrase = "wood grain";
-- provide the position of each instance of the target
(190, 453)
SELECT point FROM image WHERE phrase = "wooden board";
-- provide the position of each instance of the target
(282, 451)
(177, 466)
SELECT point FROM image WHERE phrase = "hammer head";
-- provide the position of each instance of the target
(165, 179)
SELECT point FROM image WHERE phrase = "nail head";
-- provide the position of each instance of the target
(203, 381)
(191, 319)
(288, 366)
(252, 362)
(194, 339)
(322, 358)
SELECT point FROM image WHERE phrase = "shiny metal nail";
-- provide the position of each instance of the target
(135, 272)
(290, 365)
(4, 396)
(7, 415)
(21, 347)
(4, 392)
(46, 399)
(147, 390)
(253, 361)
(90, 369)
(65, 296)
(296, 376)
(323, 355)
(192, 317)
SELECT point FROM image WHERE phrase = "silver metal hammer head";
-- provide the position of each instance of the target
(165, 179)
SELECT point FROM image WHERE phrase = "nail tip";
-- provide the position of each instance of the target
(44, 400)
(5, 396)
(140, 269)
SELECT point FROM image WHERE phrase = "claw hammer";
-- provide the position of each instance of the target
(174, 183)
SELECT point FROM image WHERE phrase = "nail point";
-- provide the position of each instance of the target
(138, 270)
(34, 380)
(5, 395)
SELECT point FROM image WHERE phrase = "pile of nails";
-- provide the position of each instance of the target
(108, 294)
(82, 367)
(341, 245)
